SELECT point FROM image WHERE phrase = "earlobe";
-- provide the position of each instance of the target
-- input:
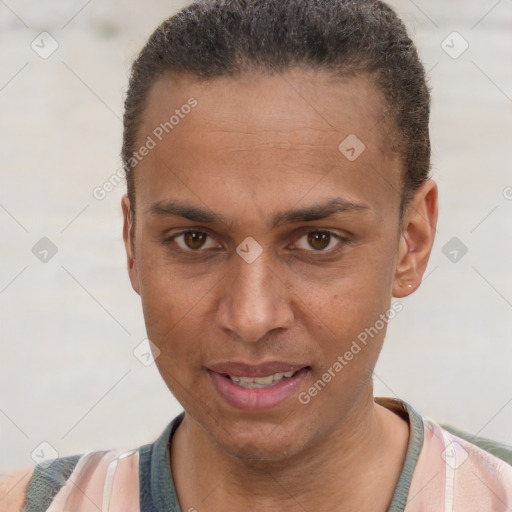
(416, 240)
(129, 242)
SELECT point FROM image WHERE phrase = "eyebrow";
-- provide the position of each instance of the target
(314, 212)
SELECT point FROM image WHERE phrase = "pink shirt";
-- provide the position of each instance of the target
(441, 473)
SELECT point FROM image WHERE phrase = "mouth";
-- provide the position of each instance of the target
(257, 388)
(260, 382)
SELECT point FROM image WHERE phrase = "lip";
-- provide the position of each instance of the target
(257, 399)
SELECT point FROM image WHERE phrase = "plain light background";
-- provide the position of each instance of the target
(69, 327)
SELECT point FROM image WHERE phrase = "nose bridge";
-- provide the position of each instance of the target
(254, 300)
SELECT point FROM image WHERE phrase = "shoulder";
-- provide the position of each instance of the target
(100, 478)
(473, 478)
(34, 488)
(501, 450)
(13, 488)
(487, 477)
(481, 457)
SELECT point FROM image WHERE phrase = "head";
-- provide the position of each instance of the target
(277, 157)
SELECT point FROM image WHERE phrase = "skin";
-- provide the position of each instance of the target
(13, 488)
(255, 146)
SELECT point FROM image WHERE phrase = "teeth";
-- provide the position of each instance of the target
(260, 382)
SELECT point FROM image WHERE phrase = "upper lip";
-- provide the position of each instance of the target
(238, 369)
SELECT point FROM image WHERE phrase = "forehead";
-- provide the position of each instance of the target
(274, 135)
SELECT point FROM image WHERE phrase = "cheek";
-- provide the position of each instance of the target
(167, 304)
(350, 299)
(345, 313)
(174, 325)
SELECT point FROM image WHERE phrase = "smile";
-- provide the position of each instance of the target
(257, 393)
(260, 382)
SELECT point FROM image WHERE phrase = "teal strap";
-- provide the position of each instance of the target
(401, 494)
(46, 481)
(157, 492)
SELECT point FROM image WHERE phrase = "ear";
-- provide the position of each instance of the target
(129, 242)
(418, 232)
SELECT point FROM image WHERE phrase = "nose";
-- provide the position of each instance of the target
(254, 300)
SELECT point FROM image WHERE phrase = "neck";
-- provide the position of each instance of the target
(342, 472)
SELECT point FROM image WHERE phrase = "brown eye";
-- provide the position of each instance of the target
(319, 240)
(194, 239)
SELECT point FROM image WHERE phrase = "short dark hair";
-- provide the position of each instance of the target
(217, 38)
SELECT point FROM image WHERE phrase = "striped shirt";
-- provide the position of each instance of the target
(442, 472)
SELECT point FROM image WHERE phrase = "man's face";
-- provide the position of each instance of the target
(253, 150)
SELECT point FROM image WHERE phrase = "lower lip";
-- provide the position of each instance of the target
(257, 399)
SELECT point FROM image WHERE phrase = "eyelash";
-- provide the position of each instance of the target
(341, 241)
